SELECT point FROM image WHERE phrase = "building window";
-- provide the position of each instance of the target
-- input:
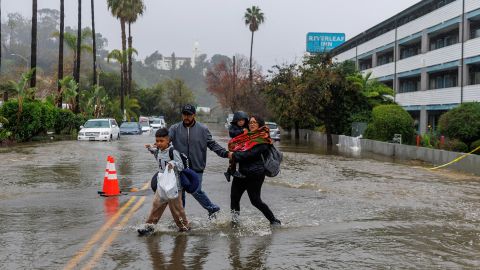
(365, 63)
(410, 50)
(388, 83)
(444, 40)
(443, 79)
(384, 58)
(409, 84)
(474, 74)
(475, 29)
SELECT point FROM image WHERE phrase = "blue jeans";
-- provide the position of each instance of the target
(202, 197)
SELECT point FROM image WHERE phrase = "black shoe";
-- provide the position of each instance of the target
(275, 223)
(237, 174)
(213, 214)
(147, 230)
(227, 175)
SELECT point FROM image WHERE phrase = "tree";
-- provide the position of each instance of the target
(388, 120)
(94, 44)
(69, 91)
(60, 52)
(284, 97)
(20, 88)
(462, 122)
(119, 10)
(376, 92)
(151, 100)
(134, 10)
(33, 48)
(253, 19)
(328, 95)
(76, 73)
(178, 94)
(228, 83)
(120, 57)
(71, 41)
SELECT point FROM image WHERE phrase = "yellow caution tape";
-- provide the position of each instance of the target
(455, 160)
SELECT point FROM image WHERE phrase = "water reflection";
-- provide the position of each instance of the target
(110, 205)
(256, 257)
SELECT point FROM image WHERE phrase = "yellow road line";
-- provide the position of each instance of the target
(85, 249)
(98, 254)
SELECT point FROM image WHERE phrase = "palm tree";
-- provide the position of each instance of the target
(119, 10)
(33, 48)
(253, 18)
(71, 41)
(76, 73)
(134, 10)
(69, 91)
(94, 44)
(22, 91)
(376, 92)
(60, 52)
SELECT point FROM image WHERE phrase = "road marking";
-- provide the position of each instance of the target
(85, 249)
(98, 235)
(108, 242)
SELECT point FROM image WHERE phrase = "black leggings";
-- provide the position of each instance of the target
(253, 185)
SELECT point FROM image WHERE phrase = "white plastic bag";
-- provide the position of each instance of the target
(167, 182)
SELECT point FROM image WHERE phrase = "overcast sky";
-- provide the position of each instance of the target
(174, 25)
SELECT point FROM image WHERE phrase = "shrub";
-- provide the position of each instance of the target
(456, 146)
(67, 121)
(388, 120)
(462, 123)
(37, 118)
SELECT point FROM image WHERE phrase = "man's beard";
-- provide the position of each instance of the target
(187, 122)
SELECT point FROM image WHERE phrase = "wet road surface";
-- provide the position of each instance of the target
(337, 213)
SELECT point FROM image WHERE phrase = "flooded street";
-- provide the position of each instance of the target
(337, 213)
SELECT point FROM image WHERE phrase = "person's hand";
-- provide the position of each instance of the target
(170, 167)
(230, 155)
(147, 146)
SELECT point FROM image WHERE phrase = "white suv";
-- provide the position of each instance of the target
(99, 130)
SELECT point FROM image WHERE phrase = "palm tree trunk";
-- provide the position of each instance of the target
(33, 48)
(250, 71)
(78, 55)
(5, 93)
(94, 45)
(130, 64)
(60, 53)
(124, 64)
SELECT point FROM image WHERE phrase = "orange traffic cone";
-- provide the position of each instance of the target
(110, 180)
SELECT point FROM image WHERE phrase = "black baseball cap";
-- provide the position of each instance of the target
(188, 109)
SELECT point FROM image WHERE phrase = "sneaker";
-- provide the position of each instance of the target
(227, 175)
(275, 223)
(147, 230)
(237, 174)
(213, 214)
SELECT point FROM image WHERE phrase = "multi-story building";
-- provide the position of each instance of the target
(429, 54)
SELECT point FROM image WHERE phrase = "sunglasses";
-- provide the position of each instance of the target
(253, 123)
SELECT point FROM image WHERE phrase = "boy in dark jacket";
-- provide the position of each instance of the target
(237, 127)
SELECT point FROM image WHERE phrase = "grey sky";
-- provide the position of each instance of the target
(173, 25)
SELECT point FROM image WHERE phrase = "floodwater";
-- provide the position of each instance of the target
(337, 212)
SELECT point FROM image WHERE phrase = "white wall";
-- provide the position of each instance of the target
(429, 97)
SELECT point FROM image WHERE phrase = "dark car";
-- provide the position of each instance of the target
(130, 128)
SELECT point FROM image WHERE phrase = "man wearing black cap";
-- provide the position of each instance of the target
(192, 139)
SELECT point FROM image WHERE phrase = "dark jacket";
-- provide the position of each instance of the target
(193, 142)
(251, 162)
(234, 130)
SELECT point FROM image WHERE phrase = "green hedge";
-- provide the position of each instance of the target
(462, 123)
(388, 120)
(37, 118)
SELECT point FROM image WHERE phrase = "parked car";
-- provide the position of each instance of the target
(145, 123)
(229, 119)
(99, 130)
(157, 123)
(274, 130)
(130, 128)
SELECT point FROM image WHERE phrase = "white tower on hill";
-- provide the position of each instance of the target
(196, 53)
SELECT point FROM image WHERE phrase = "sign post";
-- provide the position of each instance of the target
(324, 42)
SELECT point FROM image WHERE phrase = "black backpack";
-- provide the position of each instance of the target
(271, 160)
